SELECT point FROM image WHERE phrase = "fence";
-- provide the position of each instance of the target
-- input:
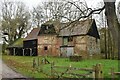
(113, 73)
(38, 64)
(95, 71)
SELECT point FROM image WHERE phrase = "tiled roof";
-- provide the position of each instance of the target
(76, 28)
(71, 29)
(33, 34)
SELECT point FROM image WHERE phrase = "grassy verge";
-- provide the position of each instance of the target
(23, 64)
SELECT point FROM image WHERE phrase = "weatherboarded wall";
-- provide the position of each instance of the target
(48, 45)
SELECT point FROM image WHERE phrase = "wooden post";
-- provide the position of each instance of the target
(93, 73)
(30, 52)
(38, 61)
(23, 52)
(70, 69)
(52, 66)
(14, 51)
(98, 71)
(34, 63)
(40, 65)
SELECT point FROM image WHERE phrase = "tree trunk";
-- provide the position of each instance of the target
(108, 45)
(119, 42)
(113, 23)
(112, 51)
(106, 55)
(111, 47)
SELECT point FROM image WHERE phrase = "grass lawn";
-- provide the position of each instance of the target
(23, 64)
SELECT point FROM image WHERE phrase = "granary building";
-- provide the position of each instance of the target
(63, 39)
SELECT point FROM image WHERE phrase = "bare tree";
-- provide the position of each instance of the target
(62, 11)
(15, 20)
(112, 21)
(38, 16)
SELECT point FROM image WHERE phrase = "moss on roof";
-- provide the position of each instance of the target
(17, 43)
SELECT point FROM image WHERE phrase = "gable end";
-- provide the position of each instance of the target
(93, 31)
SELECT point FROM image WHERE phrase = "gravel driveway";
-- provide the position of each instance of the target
(8, 72)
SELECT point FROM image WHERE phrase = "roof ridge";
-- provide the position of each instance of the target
(33, 34)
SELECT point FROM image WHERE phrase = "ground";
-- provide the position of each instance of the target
(24, 65)
(8, 72)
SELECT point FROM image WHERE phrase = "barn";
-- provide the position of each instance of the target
(42, 41)
(54, 39)
(16, 48)
(30, 43)
(80, 38)
(48, 41)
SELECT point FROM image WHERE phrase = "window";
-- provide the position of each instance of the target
(65, 41)
(70, 39)
(45, 48)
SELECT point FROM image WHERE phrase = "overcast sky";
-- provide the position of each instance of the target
(34, 3)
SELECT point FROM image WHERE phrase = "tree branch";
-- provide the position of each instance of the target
(75, 6)
(93, 12)
(98, 11)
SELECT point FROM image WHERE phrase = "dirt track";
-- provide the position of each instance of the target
(8, 72)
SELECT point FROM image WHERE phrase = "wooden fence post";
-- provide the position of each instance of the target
(70, 69)
(98, 71)
(38, 61)
(52, 66)
(93, 73)
(34, 63)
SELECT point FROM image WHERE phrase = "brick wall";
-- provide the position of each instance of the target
(48, 45)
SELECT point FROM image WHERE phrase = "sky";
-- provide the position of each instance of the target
(34, 3)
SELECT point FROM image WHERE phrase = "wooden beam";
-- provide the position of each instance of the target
(14, 51)
(23, 51)
(30, 51)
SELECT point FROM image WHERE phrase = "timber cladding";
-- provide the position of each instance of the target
(30, 46)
